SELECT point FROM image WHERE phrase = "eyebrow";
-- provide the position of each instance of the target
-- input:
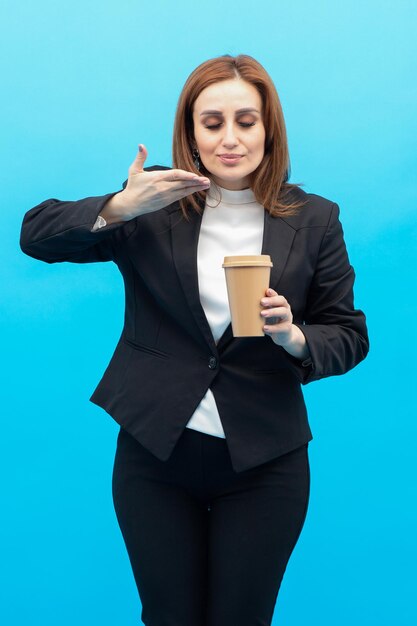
(214, 112)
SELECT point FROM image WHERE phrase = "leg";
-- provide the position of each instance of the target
(254, 527)
(165, 533)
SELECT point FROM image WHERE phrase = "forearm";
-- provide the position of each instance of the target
(58, 230)
(335, 349)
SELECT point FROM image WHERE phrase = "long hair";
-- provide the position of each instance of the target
(269, 182)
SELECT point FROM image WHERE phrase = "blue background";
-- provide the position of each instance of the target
(83, 83)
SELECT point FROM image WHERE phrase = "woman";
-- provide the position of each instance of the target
(211, 476)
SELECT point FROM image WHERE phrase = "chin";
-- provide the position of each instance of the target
(233, 176)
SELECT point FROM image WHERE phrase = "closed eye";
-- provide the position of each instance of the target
(243, 124)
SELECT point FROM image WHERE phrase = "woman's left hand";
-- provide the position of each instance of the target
(279, 325)
(278, 317)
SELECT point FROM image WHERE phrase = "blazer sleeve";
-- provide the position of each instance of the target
(336, 332)
(56, 231)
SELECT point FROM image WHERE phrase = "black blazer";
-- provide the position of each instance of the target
(166, 357)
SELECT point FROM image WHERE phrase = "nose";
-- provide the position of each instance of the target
(229, 137)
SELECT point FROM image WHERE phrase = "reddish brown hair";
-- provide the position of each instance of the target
(269, 181)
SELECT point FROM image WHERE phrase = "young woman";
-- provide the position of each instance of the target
(211, 477)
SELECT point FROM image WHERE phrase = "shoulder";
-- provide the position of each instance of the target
(316, 211)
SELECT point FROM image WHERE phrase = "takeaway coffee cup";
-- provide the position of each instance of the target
(247, 279)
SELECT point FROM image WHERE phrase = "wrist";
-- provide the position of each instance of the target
(296, 344)
(116, 209)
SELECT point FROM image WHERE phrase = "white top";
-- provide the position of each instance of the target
(232, 226)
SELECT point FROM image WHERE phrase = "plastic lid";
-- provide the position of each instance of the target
(248, 260)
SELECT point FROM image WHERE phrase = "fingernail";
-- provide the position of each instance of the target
(140, 148)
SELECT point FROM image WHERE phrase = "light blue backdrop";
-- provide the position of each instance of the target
(83, 83)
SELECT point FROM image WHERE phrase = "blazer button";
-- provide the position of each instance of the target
(212, 363)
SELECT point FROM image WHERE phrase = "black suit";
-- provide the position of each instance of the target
(166, 357)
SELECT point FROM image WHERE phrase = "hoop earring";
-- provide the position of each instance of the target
(196, 157)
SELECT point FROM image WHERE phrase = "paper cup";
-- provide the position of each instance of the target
(247, 279)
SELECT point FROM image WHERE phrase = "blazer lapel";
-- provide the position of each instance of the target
(277, 241)
(184, 250)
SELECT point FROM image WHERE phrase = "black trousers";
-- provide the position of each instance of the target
(208, 546)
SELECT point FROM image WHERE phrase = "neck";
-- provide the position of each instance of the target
(231, 196)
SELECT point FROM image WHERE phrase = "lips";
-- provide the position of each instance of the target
(229, 158)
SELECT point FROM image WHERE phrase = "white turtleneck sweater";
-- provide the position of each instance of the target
(229, 227)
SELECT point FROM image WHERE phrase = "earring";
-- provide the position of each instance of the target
(196, 157)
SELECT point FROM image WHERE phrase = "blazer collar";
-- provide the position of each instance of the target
(184, 236)
(277, 241)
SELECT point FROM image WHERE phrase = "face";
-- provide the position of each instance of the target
(229, 132)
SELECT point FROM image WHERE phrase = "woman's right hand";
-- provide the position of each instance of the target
(146, 192)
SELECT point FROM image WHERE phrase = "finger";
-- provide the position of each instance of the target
(200, 180)
(199, 183)
(280, 312)
(274, 301)
(187, 191)
(182, 175)
(137, 165)
(187, 184)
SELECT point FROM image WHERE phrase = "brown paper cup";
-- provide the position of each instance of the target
(247, 279)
